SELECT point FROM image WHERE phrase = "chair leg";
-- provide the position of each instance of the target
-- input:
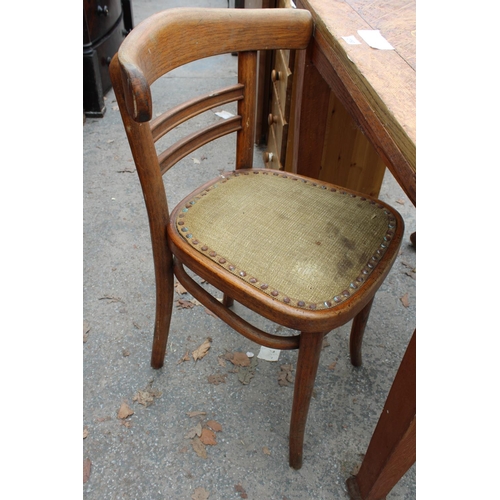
(227, 300)
(357, 332)
(307, 366)
(164, 303)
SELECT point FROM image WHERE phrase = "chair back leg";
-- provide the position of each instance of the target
(357, 332)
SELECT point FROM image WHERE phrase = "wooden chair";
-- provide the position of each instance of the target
(303, 253)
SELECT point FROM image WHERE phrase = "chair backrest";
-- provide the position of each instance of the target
(175, 37)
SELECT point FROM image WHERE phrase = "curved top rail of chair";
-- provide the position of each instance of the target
(148, 51)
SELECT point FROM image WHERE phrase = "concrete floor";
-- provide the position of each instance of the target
(147, 454)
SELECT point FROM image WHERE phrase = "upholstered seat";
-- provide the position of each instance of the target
(307, 244)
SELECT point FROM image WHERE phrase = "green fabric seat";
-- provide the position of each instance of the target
(316, 244)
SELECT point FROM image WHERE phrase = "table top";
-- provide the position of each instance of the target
(387, 78)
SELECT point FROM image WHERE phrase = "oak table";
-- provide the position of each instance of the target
(378, 89)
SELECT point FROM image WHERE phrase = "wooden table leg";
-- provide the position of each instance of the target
(392, 449)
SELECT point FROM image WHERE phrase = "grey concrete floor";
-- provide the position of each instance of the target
(147, 454)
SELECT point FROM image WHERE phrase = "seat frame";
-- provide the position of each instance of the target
(159, 44)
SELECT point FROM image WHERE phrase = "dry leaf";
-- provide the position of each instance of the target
(111, 299)
(221, 361)
(147, 396)
(184, 304)
(214, 425)
(86, 329)
(241, 490)
(87, 466)
(85, 432)
(240, 359)
(124, 411)
(199, 447)
(196, 161)
(200, 494)
(195, 431)
(208, 437)
(401, 202)
(325, 343)
(186, 357)
(266, 450)
(103, 419)
(405, 300)
(196, 413)
(218, 378)
(246, 373)
(202, 350)
(285, 375)
(332, 365)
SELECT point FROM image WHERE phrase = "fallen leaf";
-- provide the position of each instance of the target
(85, 432)
(196, 302)
(196, 161)
(285, 375)
(241, 490)
(184, 304)
(332, 365)
(179, 288)
(147, 398)
(240, 359)
(186, 357)
(325, 343)
(195, 431)
(246, 373)
(405, 300)
(202, 350)
(125, 353)
(218, 378)
(199, 447)
(124, 411)
(221, 361)
(86, 329)
(266, 450)
(208, 437)
(200, 494)
(214, 425)
(87, 466)
(196, 413)
(103, 419)
(111, 299)
(401, 202)
(147, 395)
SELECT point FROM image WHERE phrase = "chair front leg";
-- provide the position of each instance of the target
(357, 332)
(307, 367)
(164, 276)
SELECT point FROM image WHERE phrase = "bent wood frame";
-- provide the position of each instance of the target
(156, 46)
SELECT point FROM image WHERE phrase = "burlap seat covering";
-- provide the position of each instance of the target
(304, 243)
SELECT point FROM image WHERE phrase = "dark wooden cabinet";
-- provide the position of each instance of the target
(105, 24)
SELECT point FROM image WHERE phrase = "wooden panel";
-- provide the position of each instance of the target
(349, 159)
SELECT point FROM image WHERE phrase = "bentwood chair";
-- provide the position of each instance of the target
(300, 252)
